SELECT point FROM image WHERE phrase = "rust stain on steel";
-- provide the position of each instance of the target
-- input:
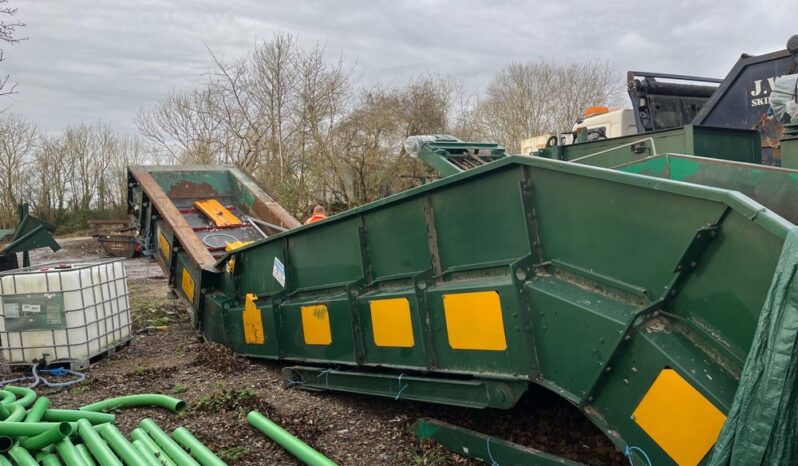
(265, 207)
(191, 190)
(273, 212)
(182, 230)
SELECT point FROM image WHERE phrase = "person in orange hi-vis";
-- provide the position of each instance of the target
(319, 213)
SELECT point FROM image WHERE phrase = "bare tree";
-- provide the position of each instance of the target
(184, 127)
(8, 34)
(17, 142)
(527, 99)
(50, 180)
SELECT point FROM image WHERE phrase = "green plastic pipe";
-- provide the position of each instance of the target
(7, 397)
(6, 443)
(72, 415)
(149, 455)
(291, 444)
(85, 454)
(172, 449)
(196, 448)
(4, 461)
(36, 411)
(25, 396)
(69, 454)
(139, 434)
(26, 429)
(50, 460)
(97, 446)
(120, 445)
(17, 413)
(48, 437)
(21, 456)
(4, 412)
(135, 401)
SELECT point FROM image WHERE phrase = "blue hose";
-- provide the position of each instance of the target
(59, 372)
(39, 380)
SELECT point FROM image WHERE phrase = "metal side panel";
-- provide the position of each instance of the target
(588, 281)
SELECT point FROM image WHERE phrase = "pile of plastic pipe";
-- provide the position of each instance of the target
(33, 434)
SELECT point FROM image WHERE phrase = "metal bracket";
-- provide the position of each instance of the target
(484, 447)
(469, 393)
(687, 263)
(421, 282)
(530, 214)
(353, 292)
(432, 237)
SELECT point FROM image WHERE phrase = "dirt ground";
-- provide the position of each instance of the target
(166, 356)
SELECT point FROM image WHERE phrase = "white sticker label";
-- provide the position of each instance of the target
(278, 272)
(31, 308)
(11, 310)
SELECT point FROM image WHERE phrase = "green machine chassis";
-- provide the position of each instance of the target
(594, 283)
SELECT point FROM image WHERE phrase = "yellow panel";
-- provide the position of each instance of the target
(219, 215)
(233, 245)
(187, 283)
(253, 323)
(163, 245)
(676, 416)
(390, 320)
(316, 325)
(474, 321)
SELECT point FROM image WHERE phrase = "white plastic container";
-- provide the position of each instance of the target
(63, 313)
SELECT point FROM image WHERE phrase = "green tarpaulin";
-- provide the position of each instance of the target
(762, 426)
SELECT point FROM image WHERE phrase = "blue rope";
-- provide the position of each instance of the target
(326, 374)
(401, 387)
(630, 449)
(490, 455)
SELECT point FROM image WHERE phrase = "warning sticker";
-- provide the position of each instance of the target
(278, 272)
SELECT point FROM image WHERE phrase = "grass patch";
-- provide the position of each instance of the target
(82, 388)
(225, 400)
(178, 389)
(232, 454)
(428, 454)
(150, 306)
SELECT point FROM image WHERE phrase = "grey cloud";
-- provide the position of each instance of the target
(88, 60)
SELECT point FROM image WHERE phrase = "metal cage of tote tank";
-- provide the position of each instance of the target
(64, 313)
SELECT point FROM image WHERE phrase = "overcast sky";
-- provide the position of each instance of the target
(104, 59)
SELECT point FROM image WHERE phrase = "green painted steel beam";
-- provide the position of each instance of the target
(448, 155)
(475, 393)
(483, 447)
(720, 143)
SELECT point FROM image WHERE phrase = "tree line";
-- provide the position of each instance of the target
(66, 178)
(299, 123)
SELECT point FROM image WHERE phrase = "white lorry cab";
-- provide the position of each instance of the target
(597, 123)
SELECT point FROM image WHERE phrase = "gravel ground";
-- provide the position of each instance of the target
(166, 356)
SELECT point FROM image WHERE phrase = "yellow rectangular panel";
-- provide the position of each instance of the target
(391, 323)
(187, 283)
(474, 321)
(217, 213)
(163, 245)
(253, 323)
(676, 416)
(316, 325)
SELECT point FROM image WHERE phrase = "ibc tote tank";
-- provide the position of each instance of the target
(64, 312)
